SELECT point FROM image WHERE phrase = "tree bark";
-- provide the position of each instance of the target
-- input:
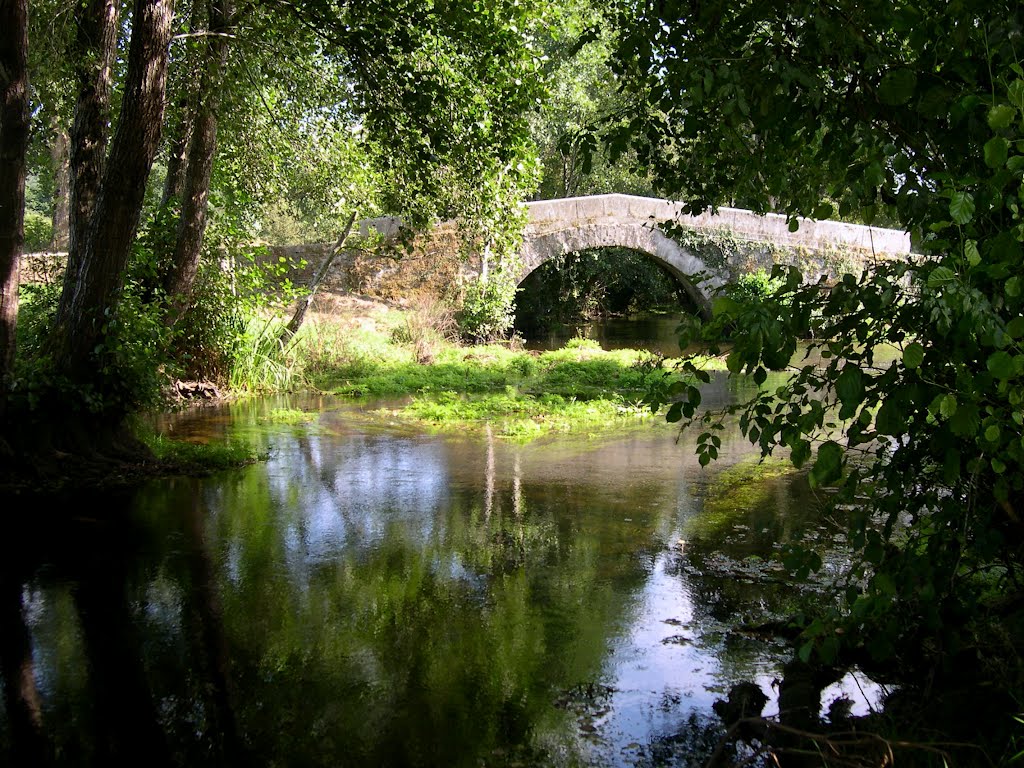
(179, 122)
(201, 151)
(94, 49)
(177, 148)
(300, 312)
(60, 155)
(14, 124)
(92, 295)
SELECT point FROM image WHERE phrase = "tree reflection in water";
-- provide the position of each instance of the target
(367, 598)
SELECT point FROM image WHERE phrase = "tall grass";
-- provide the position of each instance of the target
(261, 362)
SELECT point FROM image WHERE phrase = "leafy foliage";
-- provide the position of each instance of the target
(910, 109)
(38, 232)
(580, 286)
(488, 305)
(582, 96)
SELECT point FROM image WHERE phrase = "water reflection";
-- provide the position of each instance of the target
(377, 598)
(651, 331)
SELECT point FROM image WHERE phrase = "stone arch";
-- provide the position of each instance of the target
(684, 266)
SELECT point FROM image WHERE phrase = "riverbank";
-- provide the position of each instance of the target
(354, 347)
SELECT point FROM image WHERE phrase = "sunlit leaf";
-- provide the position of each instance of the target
(961, 207)
(1000, 116)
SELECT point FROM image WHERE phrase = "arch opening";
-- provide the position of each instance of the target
(573, 291)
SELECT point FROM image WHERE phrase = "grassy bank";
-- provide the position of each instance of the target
(447, 386)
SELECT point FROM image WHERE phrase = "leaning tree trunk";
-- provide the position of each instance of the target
(94, 49)
(104, 250)
(178, 132)
(300, 312)
(60, 155)
(14, 123)
(202, 148)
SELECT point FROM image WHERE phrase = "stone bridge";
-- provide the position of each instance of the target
(701, 252)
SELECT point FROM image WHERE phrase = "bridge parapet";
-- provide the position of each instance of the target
(548, 216)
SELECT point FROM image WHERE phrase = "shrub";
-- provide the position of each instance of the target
(488, 306)
(38, 232)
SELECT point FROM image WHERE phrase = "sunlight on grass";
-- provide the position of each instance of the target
(201, 458)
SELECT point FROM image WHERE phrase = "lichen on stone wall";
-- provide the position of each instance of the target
(730, 255)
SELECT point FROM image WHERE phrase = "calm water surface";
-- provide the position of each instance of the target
(656, 332)
(371, 596)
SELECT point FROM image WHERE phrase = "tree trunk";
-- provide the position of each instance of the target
(60, 155)
(180, 132)
(179, 122)
(300, 312)
(14, 123)
(201, 151)
(92, 295)
(93, 52)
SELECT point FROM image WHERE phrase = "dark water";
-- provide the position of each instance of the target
(655, 332)
(374, 597)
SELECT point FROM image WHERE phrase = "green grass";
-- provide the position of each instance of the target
(290, 416)
(200, 458)
(519, 394)
(521, 416)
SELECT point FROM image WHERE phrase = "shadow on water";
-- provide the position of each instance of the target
(379, 598)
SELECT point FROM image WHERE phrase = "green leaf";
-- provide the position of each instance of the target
(1016, 93)
(1000, 116)
(723, 305)
(1012, 287)
(828, 467)
(805, 651)
(850, 385)
(800, 453)
(897, 86)
(996, 150)
(1016, 165)
(913, 355)
(794, 225)
(890, 419)
(874, 176)
(948, 406)
(1015, 328)
(734, 362)
(965, 421)
(971, 253)
(1002, 365)
(941, 276)
(961, 207)
(675, 413)
(824, 211)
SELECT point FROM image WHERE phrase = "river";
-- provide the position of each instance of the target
(374, 596)
(656, 332)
